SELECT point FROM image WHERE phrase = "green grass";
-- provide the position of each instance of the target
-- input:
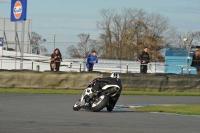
(177, 109)
(55, 91)
(161, 93)
(39, 91)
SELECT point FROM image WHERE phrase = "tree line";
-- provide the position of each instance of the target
(125, 32)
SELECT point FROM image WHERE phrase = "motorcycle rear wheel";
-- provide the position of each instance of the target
(100, 103)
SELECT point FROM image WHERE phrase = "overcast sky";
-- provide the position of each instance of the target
(68, 18)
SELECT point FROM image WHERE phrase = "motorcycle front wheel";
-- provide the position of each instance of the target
(77, 106)
(100, 103)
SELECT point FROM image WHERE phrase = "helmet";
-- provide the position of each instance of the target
(114, 75)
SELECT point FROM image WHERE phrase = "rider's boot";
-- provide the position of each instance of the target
(87, 100)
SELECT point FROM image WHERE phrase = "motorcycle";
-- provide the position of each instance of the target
(107, 96)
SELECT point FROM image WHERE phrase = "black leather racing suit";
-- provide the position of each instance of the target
(101, 82)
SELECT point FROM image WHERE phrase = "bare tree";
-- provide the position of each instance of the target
(84, 47)
(36, 41)
(73, 52)
(125, 32)
(196, 37)
(106, 26)
(193, 37)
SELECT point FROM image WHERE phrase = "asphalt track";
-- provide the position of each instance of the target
(20, 113)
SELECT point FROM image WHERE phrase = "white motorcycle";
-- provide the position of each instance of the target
(100, 93)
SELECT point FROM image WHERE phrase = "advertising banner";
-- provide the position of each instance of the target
(18, 10)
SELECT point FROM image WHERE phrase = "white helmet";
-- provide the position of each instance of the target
(114, 75)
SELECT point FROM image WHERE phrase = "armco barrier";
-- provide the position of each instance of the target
(75, 80)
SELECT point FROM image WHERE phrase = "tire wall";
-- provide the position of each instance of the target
(74, 80)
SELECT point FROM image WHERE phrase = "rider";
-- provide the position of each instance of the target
(99, 83)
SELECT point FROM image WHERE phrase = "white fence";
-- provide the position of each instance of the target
(11, 60)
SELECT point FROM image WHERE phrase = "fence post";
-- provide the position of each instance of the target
(38, 67)
(182, 69)
(188, 57)
(126, 68)
(32, 65)
(80, 66)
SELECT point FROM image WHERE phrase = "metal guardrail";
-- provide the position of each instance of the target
(78, 66)
(9, 61)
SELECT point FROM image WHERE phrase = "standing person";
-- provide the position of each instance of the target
(145, 59)
(91, 60)
(56, 59)
(196, 61)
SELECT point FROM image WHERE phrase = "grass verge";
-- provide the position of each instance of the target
(39, 91)
(161, 93)
(177, 109)
(55, 91)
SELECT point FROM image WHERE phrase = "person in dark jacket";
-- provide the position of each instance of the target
(196, 60)
(56, 58)
(91, 60)
(145, 59)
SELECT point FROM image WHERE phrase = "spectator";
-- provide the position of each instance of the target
(145, 59)
(196, 61)
(91, 60)
(56, 59)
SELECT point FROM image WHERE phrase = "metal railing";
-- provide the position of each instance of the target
(77, 65)
(38, 59)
